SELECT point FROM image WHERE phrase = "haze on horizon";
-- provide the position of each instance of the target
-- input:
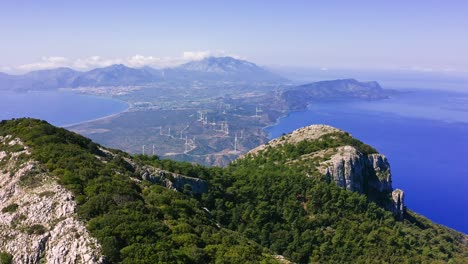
(397, 35)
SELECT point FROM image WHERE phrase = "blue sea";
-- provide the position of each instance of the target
(423, 133)
(57, 107)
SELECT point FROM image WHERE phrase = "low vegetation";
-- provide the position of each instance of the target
(290, 151)
(5, 258)
(10, 208)
(36, 229)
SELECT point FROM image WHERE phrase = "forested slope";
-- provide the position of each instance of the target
(274, 201)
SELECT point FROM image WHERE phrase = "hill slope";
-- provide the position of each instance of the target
(290, 197)
(133, 219)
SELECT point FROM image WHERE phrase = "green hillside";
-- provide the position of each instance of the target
(272, 203)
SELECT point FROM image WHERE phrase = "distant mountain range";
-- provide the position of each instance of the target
(115, 75)
(39, 80)
(208, 69)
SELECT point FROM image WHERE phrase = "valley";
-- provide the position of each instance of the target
(198, 126)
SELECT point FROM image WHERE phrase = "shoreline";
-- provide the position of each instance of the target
(277, 121)
(404, 169)
(125, 107)
(129, 106)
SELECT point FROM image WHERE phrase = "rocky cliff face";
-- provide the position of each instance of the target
(398, 205)
(366, 174)
(170, 180)
(356, 172)
(38, 223)
(173, 181)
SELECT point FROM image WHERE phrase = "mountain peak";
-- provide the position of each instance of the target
(115, 67)
(220, 65)
(311, 132)
(228, 69)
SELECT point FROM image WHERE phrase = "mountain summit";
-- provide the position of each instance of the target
(221, 65)
(228, 68)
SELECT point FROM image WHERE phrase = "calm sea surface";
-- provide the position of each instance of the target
(57, 108)
(423, 133)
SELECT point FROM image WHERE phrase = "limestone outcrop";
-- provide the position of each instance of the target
(357, 172)
(366, 174)
(398, 197)
(38, 223)
(174, 181)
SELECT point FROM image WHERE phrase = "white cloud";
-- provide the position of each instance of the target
(93, 62)
(199, 55)
(140, 61)
(45, 63)
(135, 61)
(196, 55)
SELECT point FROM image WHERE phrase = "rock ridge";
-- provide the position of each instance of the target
(174, 181)
(38, 220)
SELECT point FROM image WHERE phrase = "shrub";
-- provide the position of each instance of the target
(36, 230)
(5, 258)
(10, 208)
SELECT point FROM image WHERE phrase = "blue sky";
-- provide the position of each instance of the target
(419, 35)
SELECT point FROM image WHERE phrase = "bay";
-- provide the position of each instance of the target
(423, 133)
(57, 107)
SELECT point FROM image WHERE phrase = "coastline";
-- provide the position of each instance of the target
(36, 105)
(278, 120)
(416, 137)
(129, 106)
